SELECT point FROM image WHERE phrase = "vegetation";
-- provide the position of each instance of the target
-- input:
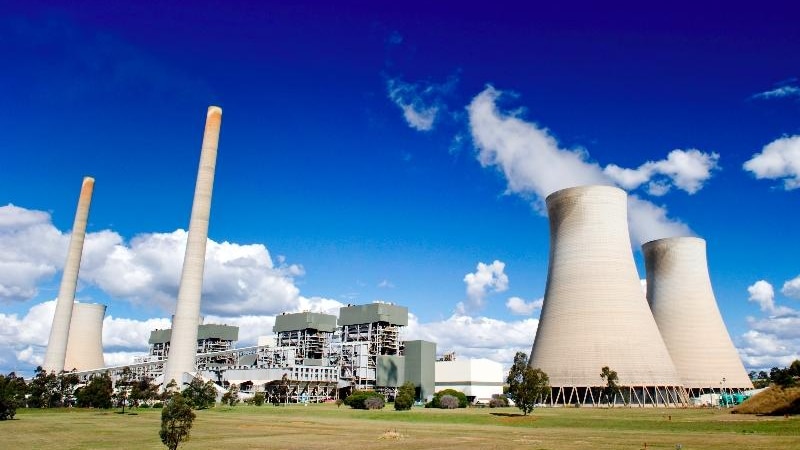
(436, 401)
(200, 395)
(785, 377)
(12, 395)
(498, 401)
(448, 402)
(257, 399)
(374, 403)
(357, 400)
(96, 393)
(775, 401)
(325, 426)
(526, 385)
(231, 397)
(612, 388)
(405, 397)
(176, 421)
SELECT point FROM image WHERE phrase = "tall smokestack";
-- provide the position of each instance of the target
(183, 342)
(85, 344)
(594, 312)
(685, 309)
(59, 332)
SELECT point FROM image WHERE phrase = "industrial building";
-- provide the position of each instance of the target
(312, 358)
(479, 379)
(85, 342)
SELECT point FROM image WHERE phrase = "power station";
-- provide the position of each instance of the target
(665, 346)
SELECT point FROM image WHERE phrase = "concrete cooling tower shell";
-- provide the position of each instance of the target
(594, 312)
(685, 309)
(85, 343)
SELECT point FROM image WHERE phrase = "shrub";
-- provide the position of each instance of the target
(374, 403)
(435, 402)
(259, 398)
(405, 397)
(158, 405)
(357, 399)
(498, 401)
(448, 402)
(144, 405)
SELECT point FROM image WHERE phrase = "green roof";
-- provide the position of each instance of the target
(305, 320)
(209, 331)
(374, 312)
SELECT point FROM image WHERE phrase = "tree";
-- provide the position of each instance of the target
(200, 395)
(143, 390)
(176, 421)
(405, 397)
(44, 390)
(97, 393)
(12, 395)
(611, 389)
(231, 397)
(526, 385)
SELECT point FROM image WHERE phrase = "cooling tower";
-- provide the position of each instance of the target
(85, 344)
(594, 312)
(59, 332)
(183, 342)
(683, 304)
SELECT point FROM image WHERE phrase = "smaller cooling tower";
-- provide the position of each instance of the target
(683, 304)
(594, 312)
(85, 342)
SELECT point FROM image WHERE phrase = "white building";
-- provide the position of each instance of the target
(478, 379)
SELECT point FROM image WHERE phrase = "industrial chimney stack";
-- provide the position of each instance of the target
(183, 342)
(59, 332)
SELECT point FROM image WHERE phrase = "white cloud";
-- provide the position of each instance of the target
(780, 159)
(386, 284)
(487, 278)
(421, 103)
(476, 337)
(791, 288)
(779, 92)
(520, 307)
(23, 339)
(533, 164)
(32, 250)
(762, 292)
(688, 170)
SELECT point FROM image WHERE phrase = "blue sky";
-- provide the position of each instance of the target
(373, 152)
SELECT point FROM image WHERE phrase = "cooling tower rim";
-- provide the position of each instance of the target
(589, 187)
(674, 241)
(92, 305)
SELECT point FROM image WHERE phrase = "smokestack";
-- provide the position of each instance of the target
(685, 309)
(594, 312)
(85, 344)
(183, 342)
(59, 332)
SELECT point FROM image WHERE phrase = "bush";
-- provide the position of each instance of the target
(374, 403)
(158, 405)
(405, 397)
(498, 401)
(436, 401)
(357, 399)
(448, 402)
(259, 398)
(144, 405)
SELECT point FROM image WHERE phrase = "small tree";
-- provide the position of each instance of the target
(258, 398)
(12, 395)
(97, 393)
(176, 421)
(200, 395)
(526, 385)
(611, 389)
(231, 397)
(405, 397)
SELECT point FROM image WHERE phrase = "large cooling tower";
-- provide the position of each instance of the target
(85, 344)
(183, 342)
(59, 332)
(594, 312)
(684, 307)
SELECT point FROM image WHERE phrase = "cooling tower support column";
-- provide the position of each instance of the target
(183, 342)
(59, 332)
(595, 313)
(85, 344)
(685, 309)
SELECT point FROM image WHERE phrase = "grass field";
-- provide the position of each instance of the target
(329, 427)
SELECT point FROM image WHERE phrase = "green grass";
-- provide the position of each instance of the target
(326, 426)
